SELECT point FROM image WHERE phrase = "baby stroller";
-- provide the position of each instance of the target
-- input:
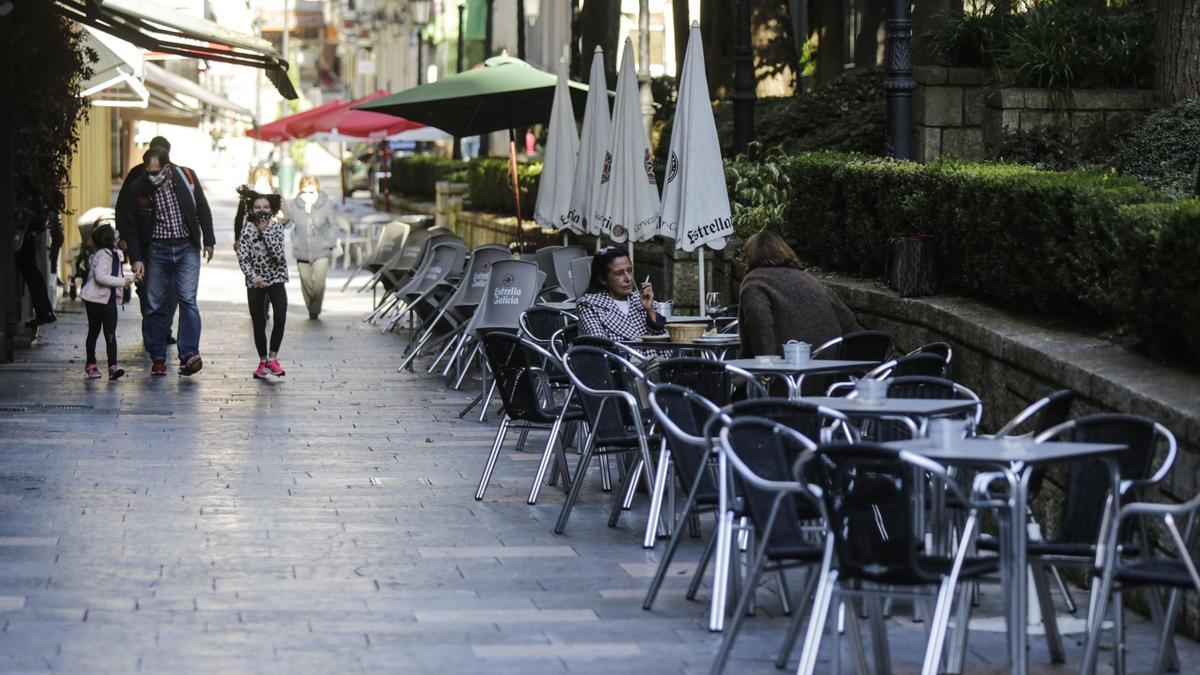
(87, 224)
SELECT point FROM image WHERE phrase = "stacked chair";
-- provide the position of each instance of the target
(456, 310)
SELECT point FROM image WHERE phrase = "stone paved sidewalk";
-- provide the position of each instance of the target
(322, 522)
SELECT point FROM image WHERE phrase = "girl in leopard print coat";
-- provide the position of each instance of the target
(263, 260)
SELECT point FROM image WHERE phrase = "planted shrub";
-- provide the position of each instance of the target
(417, 176)
(757, 195)
(1164, 151)
(846, 115)
(1053, 45)
(490, 188)
(1161, 302)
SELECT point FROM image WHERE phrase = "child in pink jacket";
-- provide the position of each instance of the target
(101, 296)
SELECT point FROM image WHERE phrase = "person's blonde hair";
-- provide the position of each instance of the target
(260, 172)
(767, 249)
(309, 180)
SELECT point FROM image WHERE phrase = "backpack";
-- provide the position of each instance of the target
(189, 179)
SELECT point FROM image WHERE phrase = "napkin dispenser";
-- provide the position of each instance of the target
(796, 352)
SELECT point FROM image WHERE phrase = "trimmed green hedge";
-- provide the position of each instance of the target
(417, 176)
(1162, 287)
(1085, 244)
(490, 188)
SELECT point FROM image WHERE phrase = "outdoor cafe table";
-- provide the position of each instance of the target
(894, 407)
(711, 349)
(792, 372)
(1015, 458)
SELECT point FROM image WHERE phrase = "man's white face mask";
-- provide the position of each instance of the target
(158, 177)
(309, 197)
(263, 187)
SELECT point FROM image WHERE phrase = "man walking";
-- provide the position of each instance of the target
(171, 222)
(127, 204)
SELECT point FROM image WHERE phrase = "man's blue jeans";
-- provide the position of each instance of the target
(143, 293)
(173, 267)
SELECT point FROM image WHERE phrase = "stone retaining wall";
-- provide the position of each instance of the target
(948, 113)
(1084, 112)
(1011, 362)
(955, 113)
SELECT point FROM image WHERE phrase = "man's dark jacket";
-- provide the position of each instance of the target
(136, 212)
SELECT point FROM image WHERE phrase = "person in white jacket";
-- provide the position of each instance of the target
(102, 294)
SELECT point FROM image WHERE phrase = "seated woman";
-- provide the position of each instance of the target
(610, 308)
(781, 302)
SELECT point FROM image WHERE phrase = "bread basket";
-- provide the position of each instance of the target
(686, 332)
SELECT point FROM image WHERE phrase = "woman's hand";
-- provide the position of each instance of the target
(258, 282)
(648, 299)
(129, 281)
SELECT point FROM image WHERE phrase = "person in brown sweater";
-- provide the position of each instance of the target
(781, 302)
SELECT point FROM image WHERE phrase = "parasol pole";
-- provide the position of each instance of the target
(342, 168)
(512, 170)
(701, 266)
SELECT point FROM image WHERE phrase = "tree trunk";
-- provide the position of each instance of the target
(682, 21)
(776, 63)
(578, 64)
(869, 39)
(1177, 63)
(717, 27)
(599, 21)
(827, 22)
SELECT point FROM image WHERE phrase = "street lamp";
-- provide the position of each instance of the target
(899, 84)
(420, 13)
(458, 66)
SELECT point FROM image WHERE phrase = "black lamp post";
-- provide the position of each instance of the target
(458, 66)
(485, 140)
(899, 84)
(744, 85)
(420, 10)
(521, 29)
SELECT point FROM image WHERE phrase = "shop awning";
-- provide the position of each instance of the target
(117, 77)
(162, 29)
(277, 131)
(170, 82)
(343, 122)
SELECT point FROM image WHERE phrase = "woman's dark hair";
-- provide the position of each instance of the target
(767, 249)
(104, 236)
(600, 264)
(248, 196)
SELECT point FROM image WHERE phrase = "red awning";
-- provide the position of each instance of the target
(277, 131)
(344, 122)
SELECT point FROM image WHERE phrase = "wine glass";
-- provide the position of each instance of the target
(712, 301)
